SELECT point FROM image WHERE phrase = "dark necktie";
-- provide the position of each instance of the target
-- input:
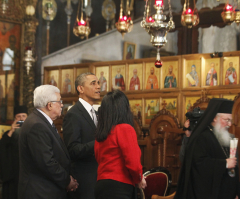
(55, 128)
(94, 116)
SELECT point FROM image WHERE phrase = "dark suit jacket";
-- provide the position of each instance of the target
(79, 137)
(44, 160)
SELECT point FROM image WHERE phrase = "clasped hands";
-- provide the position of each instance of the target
(73, 185)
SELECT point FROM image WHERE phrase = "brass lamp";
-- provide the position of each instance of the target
(157, 28)
(189, 17)
(81, 28)
(236, 13)
(28, 59)
(125, 23)
(227, 14)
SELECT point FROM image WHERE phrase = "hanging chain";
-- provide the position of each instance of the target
(194, 5)
(78, 10)
(127, 8)
(145, 12)
(170, 10)
(82, 11)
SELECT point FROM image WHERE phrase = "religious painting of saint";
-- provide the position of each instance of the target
(2, 88)
(193, 71)
(129, 50)
(212, 96)
(10, 112)
(10, 42)
(136, 108)
(4, 128)
(82, 70)
(170, 104)
(230, 70)
(229, 97)
(152, 106)
(11, 89)
(102, 74)
(170, 74)
(190, 102)
(53, 77)
(135, 77)
(67, 81)
(212, 71)
(152, 76)
(118, 77)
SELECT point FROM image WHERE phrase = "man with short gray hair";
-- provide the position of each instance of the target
(79, 127)
(44, 159)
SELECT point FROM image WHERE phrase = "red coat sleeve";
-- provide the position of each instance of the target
(127, 140)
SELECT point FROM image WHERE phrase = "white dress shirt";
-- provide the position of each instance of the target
(87, 106)
(46, 116)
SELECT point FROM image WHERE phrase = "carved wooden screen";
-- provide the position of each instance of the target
(165, 143)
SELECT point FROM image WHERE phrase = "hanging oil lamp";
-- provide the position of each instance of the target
(28, 58)
(236, 13)
(81, 28)
(156, 27)
(189, 17)
(125, 23)
(227, 14)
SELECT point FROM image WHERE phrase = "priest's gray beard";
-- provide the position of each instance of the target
(222, 134)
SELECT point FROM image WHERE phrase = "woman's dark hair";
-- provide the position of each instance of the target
(115, 109)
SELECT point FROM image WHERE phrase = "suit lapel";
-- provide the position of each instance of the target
(86, 114)
(56, 135)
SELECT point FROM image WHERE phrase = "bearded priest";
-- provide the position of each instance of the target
(206, 169)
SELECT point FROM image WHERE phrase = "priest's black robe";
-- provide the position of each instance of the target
(208, 177)
(9, 165)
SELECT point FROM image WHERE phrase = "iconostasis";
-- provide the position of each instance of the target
(176, 86)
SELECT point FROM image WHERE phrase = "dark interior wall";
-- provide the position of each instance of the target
(58, 27)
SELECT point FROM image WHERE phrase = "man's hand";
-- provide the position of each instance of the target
(142, 184)
(186, 125)
(13, 128)
(231, 162)
(73, 185)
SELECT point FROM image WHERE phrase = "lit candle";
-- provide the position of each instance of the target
(81, 23)
(189, 11)
(124, 18)
(228, 7)
(150, 19)
(159, 2)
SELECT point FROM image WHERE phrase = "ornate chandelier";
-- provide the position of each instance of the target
(189, 17)
(156, 27)
(81, 28)
(125, 23)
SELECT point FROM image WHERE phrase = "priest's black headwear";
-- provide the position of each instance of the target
(20, 109)
(215, 105)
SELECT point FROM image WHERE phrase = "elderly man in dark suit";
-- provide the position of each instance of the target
(79, 127)
(44, 159)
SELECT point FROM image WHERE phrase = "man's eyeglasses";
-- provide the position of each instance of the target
(227, 120)
(60, 101)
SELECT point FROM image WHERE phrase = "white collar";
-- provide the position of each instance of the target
(87, 106)
(46, 116)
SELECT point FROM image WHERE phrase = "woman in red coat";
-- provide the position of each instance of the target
(116, 150)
